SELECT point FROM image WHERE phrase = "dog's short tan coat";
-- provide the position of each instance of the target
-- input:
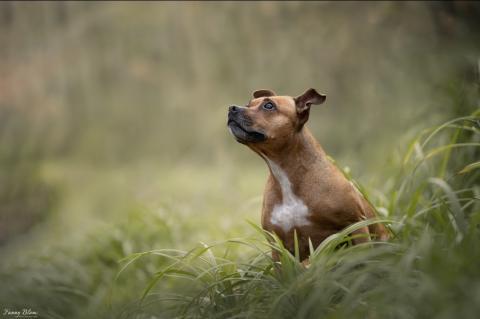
(305, 191)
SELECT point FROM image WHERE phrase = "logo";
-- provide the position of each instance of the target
(20, 313)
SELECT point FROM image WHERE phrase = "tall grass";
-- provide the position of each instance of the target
(429, 269)
(106, 108)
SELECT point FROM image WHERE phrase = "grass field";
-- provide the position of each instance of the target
(191, 253)
(122, 194)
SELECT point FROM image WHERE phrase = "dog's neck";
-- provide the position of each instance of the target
(299, 157)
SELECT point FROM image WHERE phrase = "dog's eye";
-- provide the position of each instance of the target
(268, 106)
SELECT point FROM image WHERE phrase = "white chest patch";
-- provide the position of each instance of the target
(292, 211)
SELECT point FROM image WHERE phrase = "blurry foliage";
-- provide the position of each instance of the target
(25, 196)
(117, 83)
(112, 132)
(99, 85)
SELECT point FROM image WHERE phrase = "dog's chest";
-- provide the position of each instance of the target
(292, 211)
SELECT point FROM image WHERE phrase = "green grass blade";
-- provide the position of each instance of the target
(469, 168)
(456, 208)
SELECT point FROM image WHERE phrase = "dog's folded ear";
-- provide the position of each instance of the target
(303, 103)
(263, 93)
(311, 96)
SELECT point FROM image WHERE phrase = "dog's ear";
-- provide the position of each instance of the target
(263, 93)
(303, 103)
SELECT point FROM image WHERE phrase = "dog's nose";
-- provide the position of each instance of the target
(233, 109)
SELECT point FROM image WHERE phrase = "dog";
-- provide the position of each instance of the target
(305, 192)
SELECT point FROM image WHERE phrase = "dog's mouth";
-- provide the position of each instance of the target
(244, 135)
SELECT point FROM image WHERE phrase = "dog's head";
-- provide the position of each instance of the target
(269, 120)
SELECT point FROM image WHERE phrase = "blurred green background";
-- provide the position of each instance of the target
(114, 113)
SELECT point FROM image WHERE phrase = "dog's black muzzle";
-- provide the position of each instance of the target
(240, 126)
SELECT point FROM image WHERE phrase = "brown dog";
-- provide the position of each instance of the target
(305, 191)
